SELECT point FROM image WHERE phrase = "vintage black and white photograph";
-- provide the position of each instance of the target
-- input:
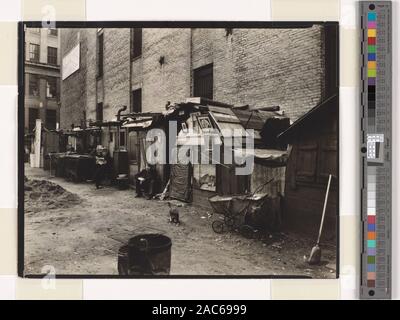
(180, 149)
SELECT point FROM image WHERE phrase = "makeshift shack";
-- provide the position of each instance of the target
(196, 183)
(137, 125)
(313, 140)
(76, 162)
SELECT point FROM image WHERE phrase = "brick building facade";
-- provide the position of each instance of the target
(145, 68)
(42, 77)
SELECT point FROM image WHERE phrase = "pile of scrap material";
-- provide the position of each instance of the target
(267, 124)
(42, 195)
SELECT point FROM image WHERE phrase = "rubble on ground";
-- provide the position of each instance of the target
(41, 195)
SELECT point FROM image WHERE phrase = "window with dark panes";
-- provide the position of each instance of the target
(51, 90)
(53, 32)
(33, 115)
(34, 85)
(136, 42)
(136, 101)
(100, 54)
(51, 119)
(203, 82)
(99, 112)
(51, 55)
(34, 52)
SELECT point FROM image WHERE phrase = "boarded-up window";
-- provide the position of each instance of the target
(136, 101)
(136, 42)
(51, 119)
(203, 82)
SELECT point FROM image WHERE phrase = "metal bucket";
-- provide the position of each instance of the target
(123, 261)
(149, 254)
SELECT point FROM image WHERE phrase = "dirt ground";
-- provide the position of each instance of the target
(78, 230)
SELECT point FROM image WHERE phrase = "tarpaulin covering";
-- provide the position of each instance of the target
(181, 182)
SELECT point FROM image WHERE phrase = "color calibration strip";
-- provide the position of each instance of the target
(376, 104)
(371, 146)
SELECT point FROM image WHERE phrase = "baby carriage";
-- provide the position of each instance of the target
(236, 212)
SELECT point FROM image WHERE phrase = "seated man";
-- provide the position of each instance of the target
(145, 182)
(102, 162)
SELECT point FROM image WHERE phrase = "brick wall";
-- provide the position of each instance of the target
(265, 67)
(73, 89)
(170, 81)
(203, 46)
(91, 72)
(260, 67)
(116, 71)
(276, 71)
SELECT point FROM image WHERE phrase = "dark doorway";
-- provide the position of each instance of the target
(51, 119)
(136, 100)
(203, 82)
(99, 112)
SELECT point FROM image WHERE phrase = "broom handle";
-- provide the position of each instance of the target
(323, 211)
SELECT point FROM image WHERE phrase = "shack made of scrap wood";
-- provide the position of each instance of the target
(313, 141)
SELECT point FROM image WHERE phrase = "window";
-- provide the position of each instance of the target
(100, 53)
(33, 115)
(51, 119)
(99, 112)
(51, 90)
(136, 42)
(52, 55)
(53, 32)
(34, 85)
(34, 52)
(203, 82)
(136, 100)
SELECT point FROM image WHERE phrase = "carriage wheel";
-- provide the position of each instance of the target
(229, 221)
(246, 231)
(218, 226)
